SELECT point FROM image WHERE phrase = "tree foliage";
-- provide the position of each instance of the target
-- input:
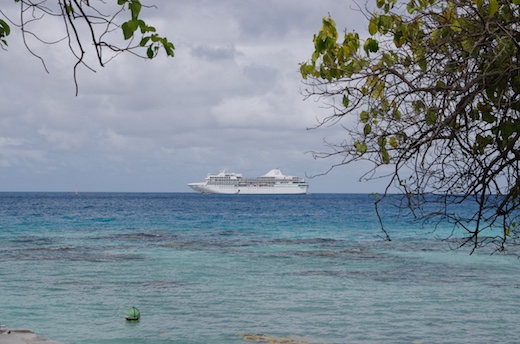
(106, 27)
(432, 98)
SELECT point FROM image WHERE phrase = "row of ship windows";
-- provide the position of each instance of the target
(256, 180)
(256, 186)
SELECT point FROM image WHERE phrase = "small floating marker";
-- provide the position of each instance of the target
(132, 314)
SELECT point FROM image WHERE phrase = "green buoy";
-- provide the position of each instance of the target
(132, 314)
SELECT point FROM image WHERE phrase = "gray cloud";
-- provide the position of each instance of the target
(228, 99)
(214, 53)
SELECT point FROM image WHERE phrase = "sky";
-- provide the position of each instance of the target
(231, 98)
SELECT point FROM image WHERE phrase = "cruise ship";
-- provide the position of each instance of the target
(273, 182)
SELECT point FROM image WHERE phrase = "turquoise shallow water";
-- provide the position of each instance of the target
(211, 269)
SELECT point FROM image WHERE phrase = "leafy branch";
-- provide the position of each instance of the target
(85, 23)
(434, 93)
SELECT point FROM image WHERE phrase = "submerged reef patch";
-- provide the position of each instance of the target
(265, 338)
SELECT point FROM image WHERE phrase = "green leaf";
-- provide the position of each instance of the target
(385, 105)
(378, 88)
(410, 7)
(367, 129)
(400, 35)
(142, 25)
(5, 30)
(372, 26)
(385, 157)
(128, 29)
(508, 128)
(381, 141)
(145, 28)
(431, 117)
(363, 116)
(423, 64)
(393, 142)
(169, 48)
(135, 8)
(455, 26)
(149, 52)
(436, 35)
(361, 147)
(418, 106)
(468, 45)
(371, 45)
(397, 114)
(493, 7)
(306, 70)
(69, 9)
(346, 101)
(488, 117)
(329, 24)
(144, 41)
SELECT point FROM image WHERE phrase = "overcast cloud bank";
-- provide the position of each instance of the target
(230, 98)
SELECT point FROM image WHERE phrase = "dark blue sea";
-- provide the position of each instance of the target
(239, 269)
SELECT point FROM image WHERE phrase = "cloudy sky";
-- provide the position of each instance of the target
(229, 99)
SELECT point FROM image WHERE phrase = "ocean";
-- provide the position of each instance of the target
(240, 269)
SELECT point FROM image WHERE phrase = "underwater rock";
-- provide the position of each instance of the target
(265, 338)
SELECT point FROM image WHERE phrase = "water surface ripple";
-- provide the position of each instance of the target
(228, 269)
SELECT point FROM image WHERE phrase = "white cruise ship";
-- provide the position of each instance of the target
(273, 182)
